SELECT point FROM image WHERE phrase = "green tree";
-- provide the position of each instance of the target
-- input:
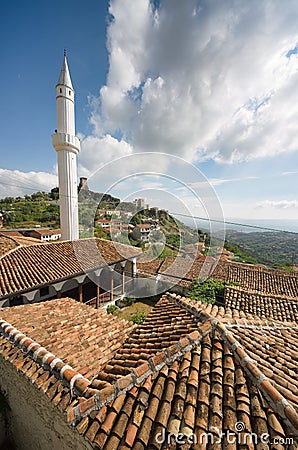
(208, 291)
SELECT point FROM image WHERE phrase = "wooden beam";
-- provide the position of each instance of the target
(97, 296)
(81, 292)
(112, 287)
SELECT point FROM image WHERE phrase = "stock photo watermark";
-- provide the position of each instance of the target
(238, 436)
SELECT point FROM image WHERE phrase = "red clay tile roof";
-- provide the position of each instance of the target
(147, 265)
(189, 368)
(249, 277)
(47, 232)
(20, 239)
(26, 267)
(263, 305)
(257, 278)
(7, 243)
(178, 269)
(77, 335)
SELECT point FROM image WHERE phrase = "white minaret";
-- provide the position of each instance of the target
(67, 146)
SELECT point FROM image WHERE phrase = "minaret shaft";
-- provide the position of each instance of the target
(67, 146)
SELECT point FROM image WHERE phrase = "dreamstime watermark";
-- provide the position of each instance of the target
(215, 436)
(175, 190)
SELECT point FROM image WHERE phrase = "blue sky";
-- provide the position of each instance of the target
(213, 83)
(33, 35)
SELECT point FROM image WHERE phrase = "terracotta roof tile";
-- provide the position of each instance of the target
(34, 265)
(7, 244)
(205, 369)
(184, 270)
(258, 279)
(59, 325)
(263, 305)
(20, 239)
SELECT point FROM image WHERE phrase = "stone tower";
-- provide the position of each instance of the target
(67, 146)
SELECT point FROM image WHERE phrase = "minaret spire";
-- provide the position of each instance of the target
(67, 146)
(64, 78)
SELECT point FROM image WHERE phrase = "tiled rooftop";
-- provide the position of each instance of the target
(148, 265)
(7, 244)
(248, 276)
(257, 278)
(77, 335)
(180, 270)
(27, 267)
(189, 368)
(263, 305)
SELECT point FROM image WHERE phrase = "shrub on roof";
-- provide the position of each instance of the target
(138, 317)
(208, 291)
(112, 309)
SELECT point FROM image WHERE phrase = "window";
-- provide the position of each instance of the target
(44, 291)
(60, 91)
(69, 92)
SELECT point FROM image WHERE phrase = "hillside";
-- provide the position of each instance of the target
(275, 249)
(40, 208)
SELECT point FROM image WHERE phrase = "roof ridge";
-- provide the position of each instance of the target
(275, 399)
(22, 246)
(140, 374)
(78, 384)
(12, 249)
(263, 293)
(190, 306)
(247, 322)
(9, 237)
(265, 324)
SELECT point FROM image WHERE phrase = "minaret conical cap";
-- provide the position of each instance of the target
(64, 78)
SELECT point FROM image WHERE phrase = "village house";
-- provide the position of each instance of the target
(142, 232)
(45, 235)
(113, 213)
(82, 269)
(109, 224)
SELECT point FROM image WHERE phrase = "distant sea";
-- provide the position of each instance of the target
(274, 224)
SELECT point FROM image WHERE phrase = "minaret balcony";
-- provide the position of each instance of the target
(65, 141)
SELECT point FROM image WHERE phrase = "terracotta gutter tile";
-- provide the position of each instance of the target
(109, 421)
(120, 426)
(130, 435)
(51, 392)
(100, 439)
(92, 431)
(46, 384)
(65, 401)
(82, 426)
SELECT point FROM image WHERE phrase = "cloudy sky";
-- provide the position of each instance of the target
(212, 82)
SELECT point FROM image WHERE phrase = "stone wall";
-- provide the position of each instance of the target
(34, 422)
(2, 429)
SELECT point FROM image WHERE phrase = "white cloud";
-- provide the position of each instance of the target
(279, 204)
(220, 181)
(14, 183)
(289, 173)
(97, 151)
(200, 79)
